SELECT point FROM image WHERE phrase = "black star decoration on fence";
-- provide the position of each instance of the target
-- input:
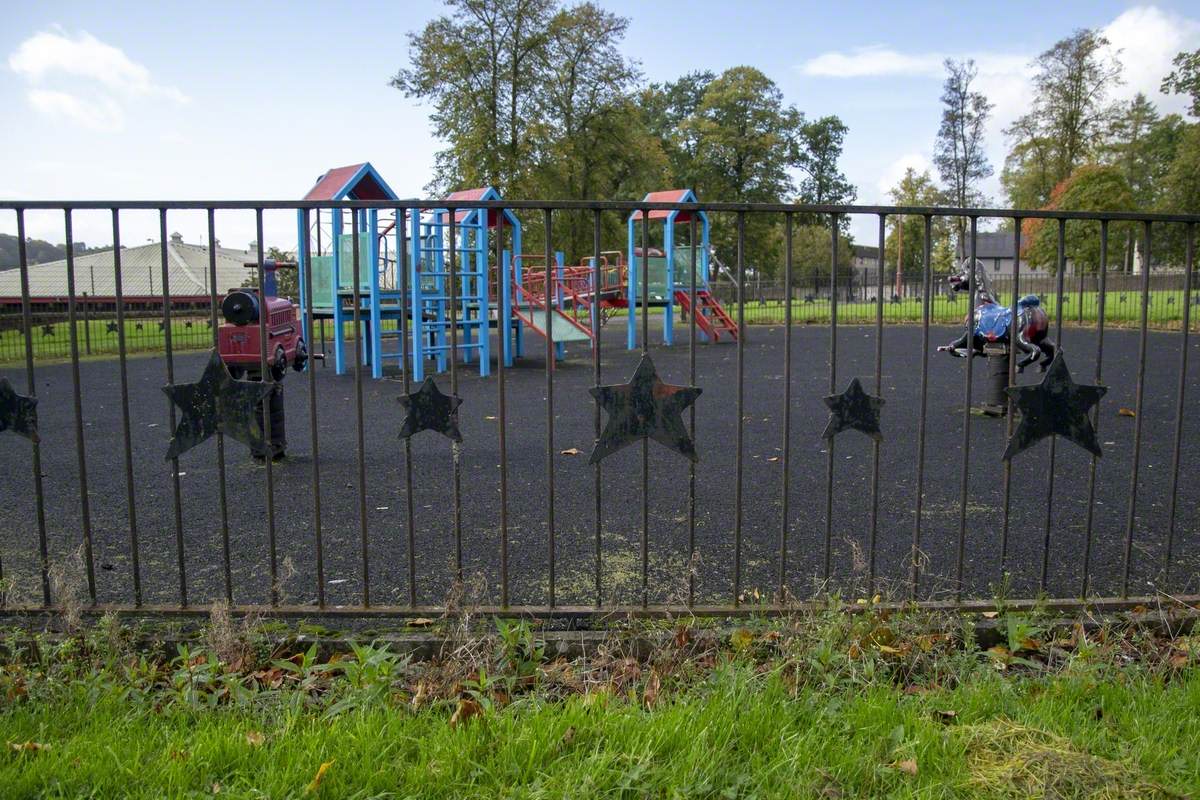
(644, 407)
(17, 412)
(430, 410)
(216, 404)
(111, 327)
(1057, 405)
(853, 409)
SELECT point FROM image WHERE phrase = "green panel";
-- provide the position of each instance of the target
(346, 268)
(658, 273)
(322, 281)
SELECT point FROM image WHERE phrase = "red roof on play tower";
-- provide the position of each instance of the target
(669, 196)
(353, 182)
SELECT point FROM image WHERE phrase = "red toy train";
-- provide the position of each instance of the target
(238, 339)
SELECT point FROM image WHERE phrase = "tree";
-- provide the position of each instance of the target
(479, 68)
(812, 252)
(1185, 79)
(1071, 113)
(745, 142)
(958, 150)
(819, 149)
(666, 108)
(1092, 187)
(905, 245)
(1181, 192)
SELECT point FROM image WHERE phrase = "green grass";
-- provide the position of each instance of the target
(737, 735)
(190, 332)
(829, 704)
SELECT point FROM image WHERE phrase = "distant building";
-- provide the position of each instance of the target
(995, 251)
(188, 277)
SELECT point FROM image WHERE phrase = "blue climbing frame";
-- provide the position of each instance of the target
(669, 219)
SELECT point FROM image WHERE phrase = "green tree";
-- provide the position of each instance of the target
(1181, 191)
(666, 108)
(479, 68)
(1143, 147)
(958, 150)
(812, 255)
(1092, 187)
(1070, 116)
(745, 143)
(904, 247)
(1185, 79)
(818, 153)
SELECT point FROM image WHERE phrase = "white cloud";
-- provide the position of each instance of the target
(872, 61)
(1147, 39)
(80, 78)
(892, 174)
(101, 114)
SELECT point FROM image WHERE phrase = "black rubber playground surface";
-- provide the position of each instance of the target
(574, 496)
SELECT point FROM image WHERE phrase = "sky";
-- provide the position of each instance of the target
(233, 100)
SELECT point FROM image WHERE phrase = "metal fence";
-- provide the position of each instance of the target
(777, 509)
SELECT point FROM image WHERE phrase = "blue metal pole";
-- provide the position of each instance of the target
(416, 303)
(376, 322)
(669, 310)
(339, 335)
(560, 348)
(505, 310)
(631, 294)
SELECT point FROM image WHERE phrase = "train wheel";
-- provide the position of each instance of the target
(279, 365)
(301, 359)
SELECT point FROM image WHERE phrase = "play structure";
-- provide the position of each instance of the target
(404, 273)
(993, 333)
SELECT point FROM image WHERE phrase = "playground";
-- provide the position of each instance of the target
(620, 481)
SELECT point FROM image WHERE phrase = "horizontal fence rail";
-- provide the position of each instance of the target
(792, 445)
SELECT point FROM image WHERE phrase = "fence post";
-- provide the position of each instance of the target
(87, 325)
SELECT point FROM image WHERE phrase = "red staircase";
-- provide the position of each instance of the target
(711, 317)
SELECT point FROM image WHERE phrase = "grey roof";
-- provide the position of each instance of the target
(141, 272)
(995, 244)
(864, 251)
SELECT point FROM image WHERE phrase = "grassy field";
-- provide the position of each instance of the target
(51, 341)
(843, 707)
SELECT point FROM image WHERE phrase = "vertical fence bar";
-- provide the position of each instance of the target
(875, 446)
(1091, 504)
(181, 563)
(406, 356)
(134, 557)
(318, 533)
(645, 440)
(455, 449)
(1012, 376)
(741, 422)
(1138, 408)
(1181, 393)
(548, 299)
(84, 501)
(31, 388)
(360, 345)
(692, 411)
(222, 498)
(1061, 262)
(785, 511)
(503, 313)
(597, 282)
(267, 378)
(968, 372)
(926, 295)
(833, 312)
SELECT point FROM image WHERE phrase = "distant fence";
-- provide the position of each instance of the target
(1081, 300)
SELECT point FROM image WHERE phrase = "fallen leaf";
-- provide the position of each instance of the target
(570, 451)
(28, 747)
(1178, 661)
(255, 738)
(946, 715)
(467, 708)
(315, 783)
(216, 788)
(420, 622)
(419, 697)
(773, 458)
(1126, 412)
(907, 766)
(489, 416)
(682, 636)
(990, 614)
